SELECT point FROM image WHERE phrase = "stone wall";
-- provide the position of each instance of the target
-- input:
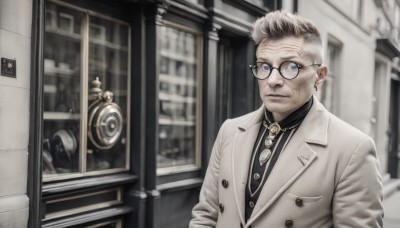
(15, 43)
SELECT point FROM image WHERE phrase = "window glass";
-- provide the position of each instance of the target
(178, 97)
(108, 56)
(84, 126)
(62, 83)
(328, 90)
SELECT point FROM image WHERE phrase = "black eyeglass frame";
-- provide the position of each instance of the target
(299, 67)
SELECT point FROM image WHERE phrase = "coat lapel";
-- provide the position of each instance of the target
(241, 153)
(295, 159)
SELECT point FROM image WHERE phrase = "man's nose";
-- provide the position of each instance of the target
(275, 78)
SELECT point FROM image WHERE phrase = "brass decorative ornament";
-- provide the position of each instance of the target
(105, 118)
(274, 131)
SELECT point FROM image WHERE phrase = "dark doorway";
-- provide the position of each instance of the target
(394, 134)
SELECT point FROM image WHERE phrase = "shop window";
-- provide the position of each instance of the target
(86, 93)
(179, 98)
(328, 92)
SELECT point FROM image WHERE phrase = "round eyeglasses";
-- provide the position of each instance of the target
(288, 69)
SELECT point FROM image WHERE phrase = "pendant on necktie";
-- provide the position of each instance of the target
(274, 130)
(264, 156)
(268, 143)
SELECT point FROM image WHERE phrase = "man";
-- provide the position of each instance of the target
(291, 163)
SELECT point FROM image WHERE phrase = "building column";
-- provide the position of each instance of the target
(209, 91)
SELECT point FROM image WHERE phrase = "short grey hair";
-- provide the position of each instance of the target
(280, 24)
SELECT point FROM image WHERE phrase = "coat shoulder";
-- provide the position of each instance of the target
(341, 130)
(248, 120)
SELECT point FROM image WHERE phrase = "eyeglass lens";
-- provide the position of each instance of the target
(287, 69)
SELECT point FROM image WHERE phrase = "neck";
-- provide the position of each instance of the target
(288, 119)
(278, 117)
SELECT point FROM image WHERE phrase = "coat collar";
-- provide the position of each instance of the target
(317, 116)
(251, 119)
(314, 128)
(293, 161)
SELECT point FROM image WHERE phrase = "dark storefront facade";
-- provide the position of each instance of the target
(126, 100)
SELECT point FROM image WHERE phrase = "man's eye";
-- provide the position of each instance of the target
(265, 67)
(293, 66)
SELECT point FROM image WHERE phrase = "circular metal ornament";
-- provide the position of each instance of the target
(105, 124)
(62, 148)
(268, 143)
(275, 128)
(67, 140)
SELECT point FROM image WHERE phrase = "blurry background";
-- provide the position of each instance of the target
(177, 70)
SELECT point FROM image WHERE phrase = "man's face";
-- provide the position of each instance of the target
(282, 96)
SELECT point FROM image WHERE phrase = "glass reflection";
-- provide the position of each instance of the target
(178, 98)
(108, 46)
(108, 60)
(61, 90)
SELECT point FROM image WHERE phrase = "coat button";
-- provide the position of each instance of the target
(251, 204)
(221, 208)
(225, 183)
(289, 223)
(299, 202)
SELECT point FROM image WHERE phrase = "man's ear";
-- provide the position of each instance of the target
(321, 74)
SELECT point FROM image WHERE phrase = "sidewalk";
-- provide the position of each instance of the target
(391, 203)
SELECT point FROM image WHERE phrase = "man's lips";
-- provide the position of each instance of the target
(275, 95)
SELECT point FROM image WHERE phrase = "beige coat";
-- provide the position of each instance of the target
(329, 166)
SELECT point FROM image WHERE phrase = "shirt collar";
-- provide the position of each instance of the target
(294, 118)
